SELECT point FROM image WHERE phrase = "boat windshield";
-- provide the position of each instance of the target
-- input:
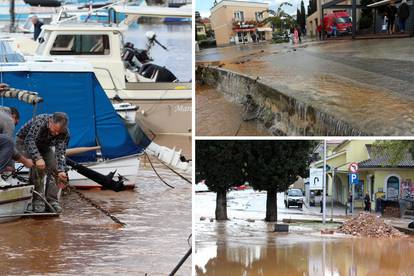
(7, 54)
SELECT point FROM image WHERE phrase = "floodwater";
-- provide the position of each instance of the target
(83, 241)
(346, 79)
(177, 37)
(246, 245)
(216, 115)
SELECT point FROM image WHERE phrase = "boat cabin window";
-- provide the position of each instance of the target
(80, 45)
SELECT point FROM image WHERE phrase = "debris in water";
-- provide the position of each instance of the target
(368, 225)
(250, 220)
(202, 218)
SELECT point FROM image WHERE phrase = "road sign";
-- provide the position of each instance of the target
(353, 167)
(315, 179)
(353, 178)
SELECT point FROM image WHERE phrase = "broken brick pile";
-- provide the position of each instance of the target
(368, 225)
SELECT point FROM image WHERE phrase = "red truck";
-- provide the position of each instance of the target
(339, 19)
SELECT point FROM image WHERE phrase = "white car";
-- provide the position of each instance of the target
(294, 197)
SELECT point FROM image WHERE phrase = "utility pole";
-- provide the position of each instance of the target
(324, 184)
(332, 196)
(354, 19)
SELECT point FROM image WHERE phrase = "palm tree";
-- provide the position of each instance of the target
(280, 18)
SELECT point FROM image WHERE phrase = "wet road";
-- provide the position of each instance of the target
(368, 84)
(216, 115)
(241, 247)
(85, 242)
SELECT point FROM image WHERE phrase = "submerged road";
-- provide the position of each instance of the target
(367, 83)
(83, 241)
(242, 247)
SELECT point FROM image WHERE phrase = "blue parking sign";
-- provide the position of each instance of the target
(353, 178)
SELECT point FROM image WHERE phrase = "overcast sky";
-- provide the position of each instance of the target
(203, 6)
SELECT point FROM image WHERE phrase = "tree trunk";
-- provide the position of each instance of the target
(271, 206)
(221, 205)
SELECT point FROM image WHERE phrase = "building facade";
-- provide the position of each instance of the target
(377, 176)
(239, 22)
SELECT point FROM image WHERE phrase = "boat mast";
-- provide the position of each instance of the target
(12, 16)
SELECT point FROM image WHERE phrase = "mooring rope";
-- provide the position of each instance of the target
(153, 168)
(177, 173)
(94, 204)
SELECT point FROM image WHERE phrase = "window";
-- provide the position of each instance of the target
(80, 45)
(239, 16)
(259, 16)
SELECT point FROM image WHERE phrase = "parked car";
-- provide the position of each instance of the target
(294, 197)
(341, 19)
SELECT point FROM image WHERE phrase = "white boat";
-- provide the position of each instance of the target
(15, 200)
(164, 107)
(125, 167)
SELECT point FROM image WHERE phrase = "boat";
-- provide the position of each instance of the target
(71, 86)
(164, 107)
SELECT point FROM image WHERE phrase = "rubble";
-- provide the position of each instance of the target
(368, 225)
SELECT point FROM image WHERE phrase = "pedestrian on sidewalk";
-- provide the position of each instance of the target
(403, 14)
(367, 202)
(36, 139)
(391, 12)
(350, 202)
(319, 30)
(295, 36)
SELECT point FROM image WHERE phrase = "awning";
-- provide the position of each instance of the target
(245, 30)
(379, 3)
(264, 29)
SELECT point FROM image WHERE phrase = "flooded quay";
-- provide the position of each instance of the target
(324, 88)
(83, 241)
(246, 245)
(215, 115)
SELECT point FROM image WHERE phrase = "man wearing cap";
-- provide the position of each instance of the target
(44, 139)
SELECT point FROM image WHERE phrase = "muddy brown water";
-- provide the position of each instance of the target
(82, 241)
(258, 251)
(216, 115)
(241, 246)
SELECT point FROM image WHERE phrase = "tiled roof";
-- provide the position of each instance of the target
(383, 160)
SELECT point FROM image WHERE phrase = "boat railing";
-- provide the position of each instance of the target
(110, 76)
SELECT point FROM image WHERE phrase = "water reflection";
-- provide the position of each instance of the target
(298, 255)
(82, 241)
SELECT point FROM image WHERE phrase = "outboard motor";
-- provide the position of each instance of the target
(140, 61)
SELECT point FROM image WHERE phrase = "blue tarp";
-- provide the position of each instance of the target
(92, 118)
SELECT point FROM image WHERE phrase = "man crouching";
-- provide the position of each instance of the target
(36, 139)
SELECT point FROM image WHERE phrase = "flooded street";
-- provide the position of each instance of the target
(338, 79)
(215, 115)
(83, 241)
(246, 245)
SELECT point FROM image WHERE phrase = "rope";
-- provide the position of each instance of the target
(152, 166)
(94, 204)
(177, 173)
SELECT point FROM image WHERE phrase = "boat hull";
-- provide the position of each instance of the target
(126, 166)
(15, 200)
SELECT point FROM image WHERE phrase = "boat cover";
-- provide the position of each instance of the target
(92, 118)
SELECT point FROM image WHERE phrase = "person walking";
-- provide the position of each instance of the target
(350, 202)
(36, 139)
(319, 30)
(403, 14)
(295, 36)
(367, 203)
(391, 12)
(37, 24)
